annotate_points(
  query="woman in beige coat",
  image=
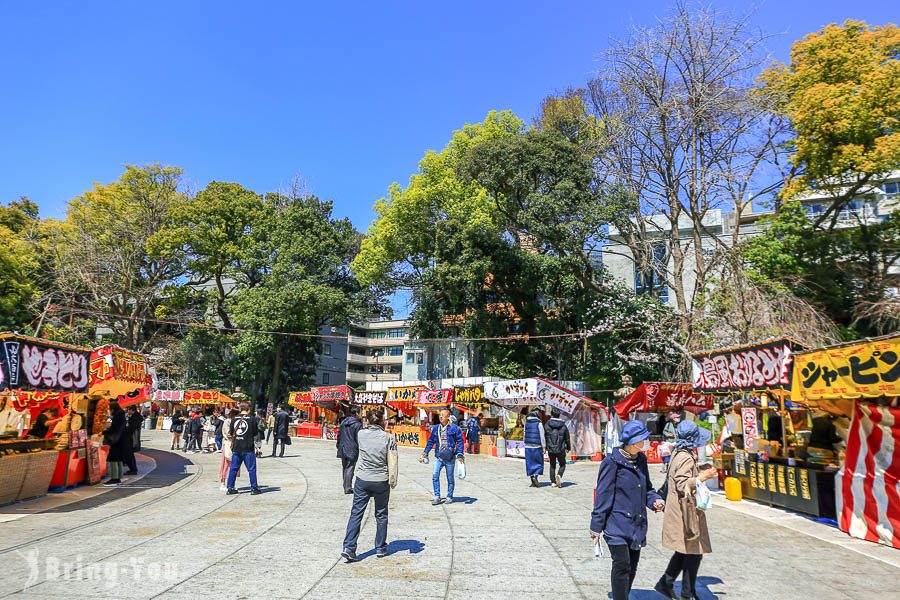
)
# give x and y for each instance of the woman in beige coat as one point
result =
(684, 525)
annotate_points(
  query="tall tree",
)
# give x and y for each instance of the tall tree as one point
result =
(841, 92)
(18, 261)
(104, 256)
(684, 134)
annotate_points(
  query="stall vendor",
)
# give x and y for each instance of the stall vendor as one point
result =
(775, 430)
(824, 433)
(10, 418)
(41, 426)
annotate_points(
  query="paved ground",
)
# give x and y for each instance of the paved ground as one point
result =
(172, 534)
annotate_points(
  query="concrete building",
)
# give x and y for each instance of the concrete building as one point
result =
(453, 358)
(331, 362)
(375, 351)
(873, 204)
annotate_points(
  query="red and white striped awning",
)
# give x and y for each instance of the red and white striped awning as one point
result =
(868, 483)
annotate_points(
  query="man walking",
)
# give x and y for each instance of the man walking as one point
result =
(196, 443)
(219, 435)
(558, 443)
(378, 472)
(243, 429)
(281, 433)
(473, 431)
(447, 440)
(133, 432)
(348, 446)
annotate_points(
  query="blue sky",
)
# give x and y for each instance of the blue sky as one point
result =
(350, 95)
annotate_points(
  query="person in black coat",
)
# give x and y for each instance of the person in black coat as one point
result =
(116, 437)
(281, 430)
(558, 443)
(623, 495)
(348, 446)
(196, 427)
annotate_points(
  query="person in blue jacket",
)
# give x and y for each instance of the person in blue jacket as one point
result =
(623, 495)
(447, 440)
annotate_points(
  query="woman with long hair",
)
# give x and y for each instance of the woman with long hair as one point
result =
(176, 428)
(225, 465)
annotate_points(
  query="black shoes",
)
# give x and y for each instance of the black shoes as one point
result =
(113, 482)
(381, 553)
(666, 588)
(231, 492)
(436, 502)
(131, 472)
(349, 556)
(255, 492)
(534, 481)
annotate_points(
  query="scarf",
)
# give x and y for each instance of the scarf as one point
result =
(628, 455)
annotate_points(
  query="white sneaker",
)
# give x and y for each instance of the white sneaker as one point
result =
(222, 487)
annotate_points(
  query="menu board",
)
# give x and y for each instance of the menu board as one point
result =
(94, 469)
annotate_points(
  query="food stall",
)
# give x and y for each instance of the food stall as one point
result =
(321, 406)
(41, 384)
(584, 417)
(407, 423)
(471, 401)
(658, 397)
(760, 377)
(860, 381)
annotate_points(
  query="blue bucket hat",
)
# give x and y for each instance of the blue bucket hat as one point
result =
(633, 432)
(689, 435)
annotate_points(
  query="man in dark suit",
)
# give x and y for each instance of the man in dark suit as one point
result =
(280, 433)
(348, 446)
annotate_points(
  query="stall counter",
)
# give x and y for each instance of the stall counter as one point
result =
(802, 488)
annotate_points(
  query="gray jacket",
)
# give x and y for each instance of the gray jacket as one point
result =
(375, 444)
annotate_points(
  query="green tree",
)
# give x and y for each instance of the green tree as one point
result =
(18, 261)
(841, 92)
(104, 257)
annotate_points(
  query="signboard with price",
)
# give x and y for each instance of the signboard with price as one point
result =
(750, 427)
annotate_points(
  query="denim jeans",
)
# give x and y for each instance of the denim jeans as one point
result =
(362, 491)
(436, 476)
(249, 459)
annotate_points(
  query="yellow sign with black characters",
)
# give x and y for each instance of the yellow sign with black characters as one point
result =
(863, 370)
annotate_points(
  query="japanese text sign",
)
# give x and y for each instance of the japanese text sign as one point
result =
(471, 396)
(300, 398)
(27, 364)
(332, 393)
(750, 427)
(369, 398)
(863, 370)
(767, 366)
(556, 396)
(403, 394)
(513, 389)
(431, 398)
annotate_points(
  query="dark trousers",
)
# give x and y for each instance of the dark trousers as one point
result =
(249, 459)
(348, 466)
(624, 568)
(194, 443)
(275, 446)
(687, 566)
(554, 459)
(472, 445)
(187, 440)
(362, 491)
(130, 461)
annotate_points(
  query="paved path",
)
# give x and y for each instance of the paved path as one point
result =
(172, 534)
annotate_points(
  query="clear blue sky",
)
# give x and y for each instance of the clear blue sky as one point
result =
(350, 95)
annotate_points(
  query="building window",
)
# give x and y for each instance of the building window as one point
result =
(415, 358)
(326, 349)
(395, 351)
(398, 333)
(653, 280)
(377, 333)
(892, 187)
(326, 378)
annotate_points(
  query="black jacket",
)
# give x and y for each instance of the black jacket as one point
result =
(219, 423)
(196, 426)
(347, 444)
(134, 421)
(243, 431)
(557, 436)
(280, 430)
(117, 438)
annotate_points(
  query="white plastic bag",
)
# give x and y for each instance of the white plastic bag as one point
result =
(704, 498)
(460, 469)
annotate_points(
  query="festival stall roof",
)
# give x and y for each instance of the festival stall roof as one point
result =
(300, 399)
(432, 399)
(206, 397)
(525, 392)
(861, 379)
(469, 398)
(660, 396)
(121, 374)
(403, 399)
(35, 365)
(762, 367)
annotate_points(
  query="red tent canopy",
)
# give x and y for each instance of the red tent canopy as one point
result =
(659, 396)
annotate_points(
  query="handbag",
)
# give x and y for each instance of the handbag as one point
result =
(460, 469)
(704, 497)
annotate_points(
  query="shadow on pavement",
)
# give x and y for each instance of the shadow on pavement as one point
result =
(170, 469)
(411, 546)
(464, 500)
(703, 591)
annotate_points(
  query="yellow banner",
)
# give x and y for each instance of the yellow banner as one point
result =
(403, 394)
(863, 370)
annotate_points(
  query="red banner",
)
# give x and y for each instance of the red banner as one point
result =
(433, 398)
(331, 394)
(657, 396)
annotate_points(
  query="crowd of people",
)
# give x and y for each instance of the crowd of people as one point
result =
(369, 463)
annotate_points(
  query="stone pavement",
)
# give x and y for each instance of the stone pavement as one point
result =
(173, 534)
